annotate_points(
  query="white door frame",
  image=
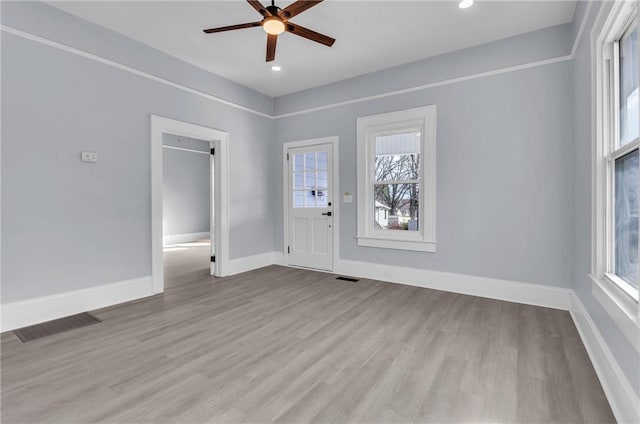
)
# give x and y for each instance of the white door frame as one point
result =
(220, 141)
(335, 186)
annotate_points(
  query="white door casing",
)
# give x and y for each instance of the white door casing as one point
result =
(212, 214)
(220, 216)
(311, 207)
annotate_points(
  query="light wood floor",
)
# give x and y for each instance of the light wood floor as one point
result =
(296, 346)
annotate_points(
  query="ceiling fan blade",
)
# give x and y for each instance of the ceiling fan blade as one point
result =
(259, 7)
(298, 7)
(309, 34)
(271, 47)
(232, 27)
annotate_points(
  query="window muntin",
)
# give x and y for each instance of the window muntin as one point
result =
(310, 188)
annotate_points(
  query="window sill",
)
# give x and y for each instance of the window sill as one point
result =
(385, 243)
(622, 309)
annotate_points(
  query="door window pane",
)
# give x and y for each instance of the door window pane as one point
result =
(626, 218)
(298, 181)
(322, 179)
(628, 63)
(322, 160)
(309, 198)
(298, 199)
(298, 162)
(322, 196)
(310, 179)
(396, 207)
(310, 161)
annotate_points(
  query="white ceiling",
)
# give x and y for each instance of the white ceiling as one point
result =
(371, 35)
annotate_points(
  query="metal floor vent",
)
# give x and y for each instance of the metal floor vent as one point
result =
(56, 326)
(352, 280)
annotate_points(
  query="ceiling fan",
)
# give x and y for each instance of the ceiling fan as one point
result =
(276, 21)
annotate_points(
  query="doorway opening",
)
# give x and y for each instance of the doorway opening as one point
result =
(188, 227)
(189, 198)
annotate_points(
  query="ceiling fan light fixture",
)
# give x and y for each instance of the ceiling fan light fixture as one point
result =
(465, 4)
(273, 26)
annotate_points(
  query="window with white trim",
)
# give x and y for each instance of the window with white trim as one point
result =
(396, 180)
(616, 167)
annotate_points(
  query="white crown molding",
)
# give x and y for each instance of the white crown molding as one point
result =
(138, 72)
(431, 85)
(109, 62)
(499, 71)
(46, 308)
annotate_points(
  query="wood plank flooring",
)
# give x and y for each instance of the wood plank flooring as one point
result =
(296, 346)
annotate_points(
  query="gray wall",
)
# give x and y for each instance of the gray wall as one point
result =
(186, 186)
(68, 225)
(525, 48)
(504, 158)
(625, 354)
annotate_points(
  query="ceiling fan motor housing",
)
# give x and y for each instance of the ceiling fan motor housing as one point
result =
(273, 10)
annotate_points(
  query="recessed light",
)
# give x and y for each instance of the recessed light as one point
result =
(276, 68)
(464, 4)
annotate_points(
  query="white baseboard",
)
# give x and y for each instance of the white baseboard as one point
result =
(40, 309)
(279, 258)
(236, 266)
(182, 238)
(623, 400)
(493, 288)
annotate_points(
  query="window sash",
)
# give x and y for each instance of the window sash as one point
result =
(626, 28)
(613, 152)
(387, 130)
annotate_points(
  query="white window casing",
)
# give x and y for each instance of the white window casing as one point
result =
(615, 295)
(419, 120)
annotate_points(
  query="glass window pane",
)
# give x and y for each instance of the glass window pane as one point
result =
(322, 160)
(396, 207)
(298, 162)
(626, 218)
(397, 157)
(398, 167)
(310, 179)
(310, 161)
(322, 197)
(309, 198)
(298, 181)
(321, 181)
(628, 63)
(298, 199)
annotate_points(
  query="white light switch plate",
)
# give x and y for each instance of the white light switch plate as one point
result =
(89, 157)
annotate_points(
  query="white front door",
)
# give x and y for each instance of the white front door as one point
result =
(310, 206)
